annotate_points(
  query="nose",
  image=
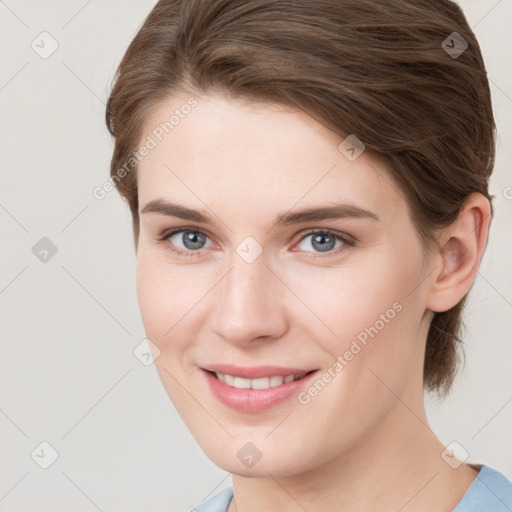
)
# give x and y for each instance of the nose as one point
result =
(249, 304)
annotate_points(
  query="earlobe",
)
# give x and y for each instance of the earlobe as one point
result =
(461, 248)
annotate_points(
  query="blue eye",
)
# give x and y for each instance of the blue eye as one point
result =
(193, 240)
(324, 241)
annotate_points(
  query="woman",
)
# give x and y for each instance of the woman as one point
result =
(308, 183)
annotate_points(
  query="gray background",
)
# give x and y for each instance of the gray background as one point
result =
(69, 325)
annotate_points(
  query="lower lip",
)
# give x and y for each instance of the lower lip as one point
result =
(255, 400)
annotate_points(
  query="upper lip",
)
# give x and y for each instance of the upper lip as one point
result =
(255, 372)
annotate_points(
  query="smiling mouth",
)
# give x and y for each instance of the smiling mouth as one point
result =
(260, 383)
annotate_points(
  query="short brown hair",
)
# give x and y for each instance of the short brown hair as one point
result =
(380, 70)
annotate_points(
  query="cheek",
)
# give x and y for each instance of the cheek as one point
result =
(162, 292)
(348, 299)
(372, 320)
(172, 300)
(151, 295)
(366, 315)
(166, 295)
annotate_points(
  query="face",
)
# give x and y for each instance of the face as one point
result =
(237, 276)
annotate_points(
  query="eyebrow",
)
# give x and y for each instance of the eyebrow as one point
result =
(315, 214)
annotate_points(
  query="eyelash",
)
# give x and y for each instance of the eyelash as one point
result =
(348, 242)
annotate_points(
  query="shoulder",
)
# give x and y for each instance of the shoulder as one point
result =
(217, 503)
(491, 491)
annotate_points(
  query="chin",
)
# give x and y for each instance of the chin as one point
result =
(254, 459)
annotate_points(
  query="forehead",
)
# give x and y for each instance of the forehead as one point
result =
(248, 156)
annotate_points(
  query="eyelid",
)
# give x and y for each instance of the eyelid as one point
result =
(343, 236)
(348, 240)
(164, 236)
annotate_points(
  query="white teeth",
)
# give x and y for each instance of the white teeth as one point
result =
(241, 383)
(276, 380)
(261, 383)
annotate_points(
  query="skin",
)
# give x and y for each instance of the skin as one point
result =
(363, 443)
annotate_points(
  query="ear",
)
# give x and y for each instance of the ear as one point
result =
(459, 252)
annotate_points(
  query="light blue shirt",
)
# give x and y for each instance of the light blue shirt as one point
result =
(491, 491)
